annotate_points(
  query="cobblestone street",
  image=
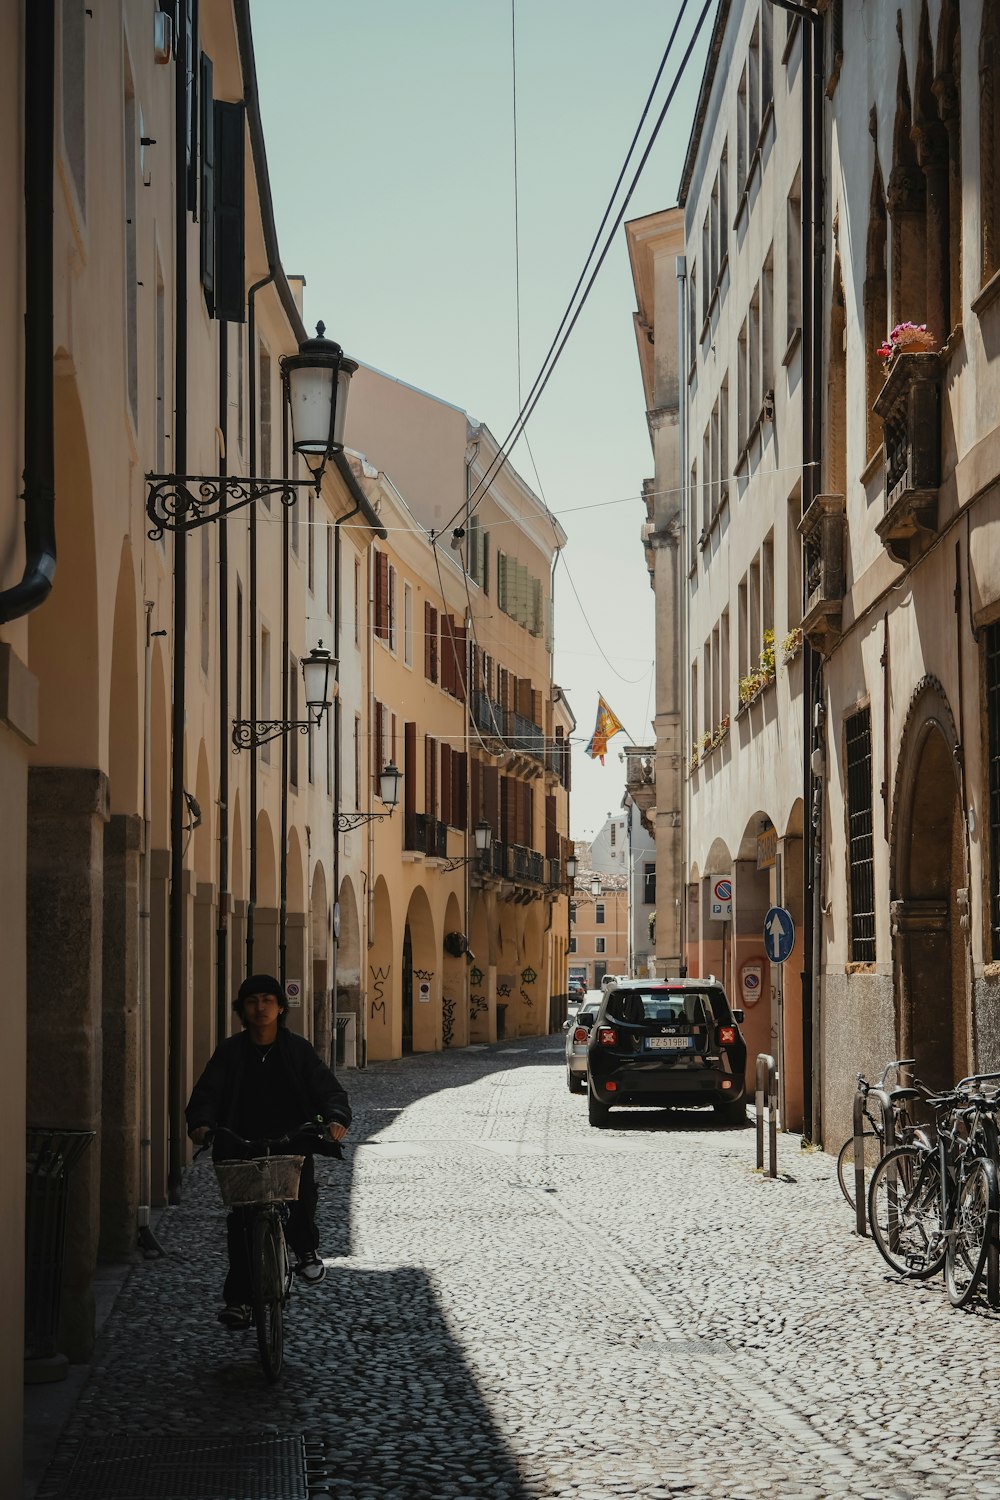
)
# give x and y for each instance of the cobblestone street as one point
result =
(518, 1305)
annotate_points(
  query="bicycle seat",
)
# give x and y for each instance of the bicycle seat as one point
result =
(895, 1094)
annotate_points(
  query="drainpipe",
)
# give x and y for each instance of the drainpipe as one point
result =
(286, 715)
(337, 739)
(146, 1239)
(39, 439)
(812, 447)
(252, 605)
(683, 796)
(177, 967)
(225, 743)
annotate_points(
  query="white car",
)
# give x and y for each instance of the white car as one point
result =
(577, 1029)
(612, 979)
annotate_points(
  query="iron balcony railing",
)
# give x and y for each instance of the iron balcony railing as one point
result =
(525, 735)
(425, 835)
(487, 715)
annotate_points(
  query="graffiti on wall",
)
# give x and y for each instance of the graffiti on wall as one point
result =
(477, 1006)
(475, 976)
(379, 977)
(447, 1021)
(528, 976)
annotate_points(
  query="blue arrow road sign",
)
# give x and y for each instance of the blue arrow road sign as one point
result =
(779, 934)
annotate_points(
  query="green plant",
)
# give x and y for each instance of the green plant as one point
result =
(705, 743)
(721, 731)
(767, 654)
(751, 685)
(791, 645)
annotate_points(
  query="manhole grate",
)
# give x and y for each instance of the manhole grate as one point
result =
(266, 1466)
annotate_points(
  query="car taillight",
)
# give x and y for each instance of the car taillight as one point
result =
(580, 1034)
(727, 1036)
(607, 1036)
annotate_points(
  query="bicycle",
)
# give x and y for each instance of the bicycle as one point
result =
(874, 1139)
(264, 1182)
(936, 1207)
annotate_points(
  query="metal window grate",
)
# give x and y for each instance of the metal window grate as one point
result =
(992, 649)
(121, 1467)
(860, 840)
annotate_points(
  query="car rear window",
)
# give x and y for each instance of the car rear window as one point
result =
(677, 1007)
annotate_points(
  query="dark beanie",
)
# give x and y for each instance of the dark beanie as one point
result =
(260, 984)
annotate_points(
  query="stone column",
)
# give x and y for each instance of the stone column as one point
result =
(67, 810)
(159, 920)
(265, 940)
(120, 1118)
(203, 988)
(237, 958)
(297, 968)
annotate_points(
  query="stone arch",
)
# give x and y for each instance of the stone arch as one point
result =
(508, 956)
(906, 201)
(350, 988)
(928, 878)
(532, 988)
(454, 983)
(319, 948)
(265, 917)
(383, 1022)
(237, 861)
(295, 874)
(876, 297)
(836, 389)
(124, 702)
(159, 791)
(479, 969)
(202, 836)
(422, 973)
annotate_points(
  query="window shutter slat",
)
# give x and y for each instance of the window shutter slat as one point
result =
(230, 212)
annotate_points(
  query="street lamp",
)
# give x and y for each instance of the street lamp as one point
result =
(319, 671)
(388, 790)
(572, 864)
(484, 842)
(316, 381)
(595, 885)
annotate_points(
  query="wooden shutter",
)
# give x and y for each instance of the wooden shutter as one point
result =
(551, 830)
(446, 812)
(430, 643)
(460, 636)
(447, 655)
(230, 212)
(460, 789)
(376, 747)
(207, 226)
(430, 776)
(409, 769)
(477, 791)
(491, 800)
(382, 596)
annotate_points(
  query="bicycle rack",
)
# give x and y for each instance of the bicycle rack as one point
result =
(881, 1098)
(767, 1079)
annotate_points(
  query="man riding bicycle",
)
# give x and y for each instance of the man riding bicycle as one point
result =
(261, 1084)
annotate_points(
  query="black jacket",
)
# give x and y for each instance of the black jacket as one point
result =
(215, 1097)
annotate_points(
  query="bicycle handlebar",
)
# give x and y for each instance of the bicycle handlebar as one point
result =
(264, 1145)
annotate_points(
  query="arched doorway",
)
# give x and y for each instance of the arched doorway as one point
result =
(421, 977)
(929, 872)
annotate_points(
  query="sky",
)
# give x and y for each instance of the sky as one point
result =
(390, 135)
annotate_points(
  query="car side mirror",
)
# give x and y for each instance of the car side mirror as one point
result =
(738, 1015)
(565, 1025)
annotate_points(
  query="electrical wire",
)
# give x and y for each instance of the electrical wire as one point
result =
(570, 317)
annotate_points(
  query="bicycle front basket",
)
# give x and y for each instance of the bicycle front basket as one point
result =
(265, 1179)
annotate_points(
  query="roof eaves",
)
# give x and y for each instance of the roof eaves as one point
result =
(711, 63)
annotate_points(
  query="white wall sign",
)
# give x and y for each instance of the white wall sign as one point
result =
(293, 992)
(721, 905)
(424, 991)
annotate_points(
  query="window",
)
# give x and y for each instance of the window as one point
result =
(724, 459)
(572, 911)
(742, 391)
(572, 944)
(357, 760)
(648, 885)
(430, 642)
(793, 547)
(992, 653)
(357, 602)
(860, 837)
(767, 327)
(599, 945)
(599, 913)
(743, 638)
(793, 261)
(614, 830)
(754, 394)
(741, 133)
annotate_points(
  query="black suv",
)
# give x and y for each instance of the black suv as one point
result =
(667, 1041)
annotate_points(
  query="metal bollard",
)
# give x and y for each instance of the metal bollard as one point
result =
(888, 1141)
(766, 1078)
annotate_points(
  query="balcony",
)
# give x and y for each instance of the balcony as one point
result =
(822, 529)
(525, 735)
(909, 405)
(527, 866)
(487, 715)
(640, 776)
(424, 835)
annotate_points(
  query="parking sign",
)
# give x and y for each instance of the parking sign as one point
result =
(721, 905)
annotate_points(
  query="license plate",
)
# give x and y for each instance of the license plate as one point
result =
(670, 1043)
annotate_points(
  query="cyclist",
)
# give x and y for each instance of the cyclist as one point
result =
(260, 1084)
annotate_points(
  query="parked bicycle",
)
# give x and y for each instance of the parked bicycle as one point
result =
(873, 1135)
(934, 1207)
(260, 1185)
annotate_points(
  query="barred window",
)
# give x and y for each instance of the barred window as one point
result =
(992, 649)
(860, 840)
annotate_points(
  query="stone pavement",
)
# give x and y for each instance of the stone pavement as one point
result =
(520, 1306)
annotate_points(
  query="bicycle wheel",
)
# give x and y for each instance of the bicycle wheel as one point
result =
(904, 1211)
(845, 1163)
(972, 1230)
(268, 1292)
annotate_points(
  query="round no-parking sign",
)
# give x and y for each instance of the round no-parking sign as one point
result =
(721, 905)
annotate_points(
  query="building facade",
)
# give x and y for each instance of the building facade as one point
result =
(624, 847)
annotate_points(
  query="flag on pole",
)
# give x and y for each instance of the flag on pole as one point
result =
(605, 727)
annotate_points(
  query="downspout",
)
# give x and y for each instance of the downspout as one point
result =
(39, 422)
(252, 605)
(285, 714)
(145, 1237)
(337, 741)
(812, 447)
(177, 967)
(225, 743)
(681, 786)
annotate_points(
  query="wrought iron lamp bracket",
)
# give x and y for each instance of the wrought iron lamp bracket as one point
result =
(347, 822)
(248, 734)
(182, 502)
